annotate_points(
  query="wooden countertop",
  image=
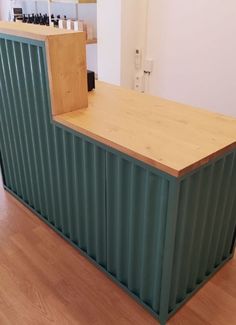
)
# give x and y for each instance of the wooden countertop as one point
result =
(172, 137)
(36, 32)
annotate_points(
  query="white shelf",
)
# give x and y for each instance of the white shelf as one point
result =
(35, 0)
(62, 1)
(74, 1)
(65, 1)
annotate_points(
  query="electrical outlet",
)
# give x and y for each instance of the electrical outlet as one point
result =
(138, 82)
(148, 66)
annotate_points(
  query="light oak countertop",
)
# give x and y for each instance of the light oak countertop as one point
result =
(172, 137)
(36, 32)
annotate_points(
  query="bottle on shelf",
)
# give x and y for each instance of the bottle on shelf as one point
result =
(40, 19)
(69, 24)
(65, 22)
(52, 20)
(37, 19)
(61, 24)
(29, 19)
(46, 20)
(81, 26)
(76, 25)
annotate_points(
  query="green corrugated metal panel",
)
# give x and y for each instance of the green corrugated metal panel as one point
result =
(136, 220)
(160, 237)
(59, 175)
(205, 223)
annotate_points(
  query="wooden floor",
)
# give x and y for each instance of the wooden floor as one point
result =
(43, 280)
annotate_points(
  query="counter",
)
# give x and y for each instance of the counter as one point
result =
(174, 138)
(143, 186)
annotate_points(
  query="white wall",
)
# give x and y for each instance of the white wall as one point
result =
(121, 30)
(109, 40)
(133, 36)
(4, 9)
(193, 44)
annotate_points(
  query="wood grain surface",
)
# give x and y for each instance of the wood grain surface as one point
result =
(172, 137)
(67, 72)
(44, 280)
(36, 32)
(66, 63)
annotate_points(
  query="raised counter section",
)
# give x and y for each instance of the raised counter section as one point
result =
(35, 32)
(66, 63)
(172, 137)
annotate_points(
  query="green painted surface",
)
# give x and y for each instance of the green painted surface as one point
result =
(158, 236)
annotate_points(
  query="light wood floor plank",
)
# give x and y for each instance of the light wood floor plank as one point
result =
(44, 280)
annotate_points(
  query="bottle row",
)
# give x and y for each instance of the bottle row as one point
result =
(59, 22)
(37, 19)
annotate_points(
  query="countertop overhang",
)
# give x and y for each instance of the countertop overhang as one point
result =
(172, 137)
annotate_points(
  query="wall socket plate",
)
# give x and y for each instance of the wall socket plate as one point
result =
(139, 82)
(148, 65)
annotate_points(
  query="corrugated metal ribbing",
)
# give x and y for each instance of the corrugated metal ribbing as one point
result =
(206, 219)
(58, 174)
(132, 219)
(136, 219)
